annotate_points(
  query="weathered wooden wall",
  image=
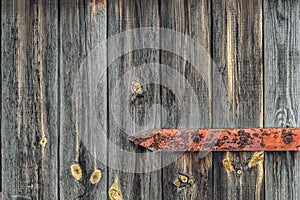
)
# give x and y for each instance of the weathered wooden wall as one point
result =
(48, 76)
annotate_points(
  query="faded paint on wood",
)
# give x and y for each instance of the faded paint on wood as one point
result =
(29, 68)
(83, 110)
(282, 92)
(132, 99)
(237, 51)
(180, 109)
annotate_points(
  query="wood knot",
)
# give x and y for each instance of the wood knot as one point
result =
(228, 165)
(183, 180)
(114, 192)
(95, 176)
(256, 159)
(43, 142)
(76, 171)
(115, 195)
(176, 182)
(137, 88)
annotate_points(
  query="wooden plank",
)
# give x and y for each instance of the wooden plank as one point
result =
(237, 52)
(0, 131)
(181, 110)
(83, 97)
(133, 96)
(282, 62)
(29, 70)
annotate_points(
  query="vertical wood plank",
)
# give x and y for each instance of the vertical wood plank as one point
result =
(132, 98)
(191, 18)
(237, 51)
(83, 97)
(282, 70)
(72, 52)
(29, 69)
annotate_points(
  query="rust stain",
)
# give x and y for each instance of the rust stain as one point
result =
(252, 139)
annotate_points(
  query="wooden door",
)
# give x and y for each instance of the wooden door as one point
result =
(60, 88)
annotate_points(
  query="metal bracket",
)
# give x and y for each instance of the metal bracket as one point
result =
(250, 139)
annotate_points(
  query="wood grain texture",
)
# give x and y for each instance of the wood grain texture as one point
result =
(282, 70)
(133, 97)
(54, 81)
(181, 110)
(29, 68)
(83, 97)
(237, 51)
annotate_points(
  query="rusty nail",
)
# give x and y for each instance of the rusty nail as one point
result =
(287, 136)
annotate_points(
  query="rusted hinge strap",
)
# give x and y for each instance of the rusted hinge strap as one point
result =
(252, 139)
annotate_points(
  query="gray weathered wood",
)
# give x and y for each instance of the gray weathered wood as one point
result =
(83, 96)
(53, 71)
(129, 111)
(29, 68)
(237, 52)
(180, 109)
(282, 92)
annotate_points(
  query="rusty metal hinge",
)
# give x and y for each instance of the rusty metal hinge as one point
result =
(250, 139)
